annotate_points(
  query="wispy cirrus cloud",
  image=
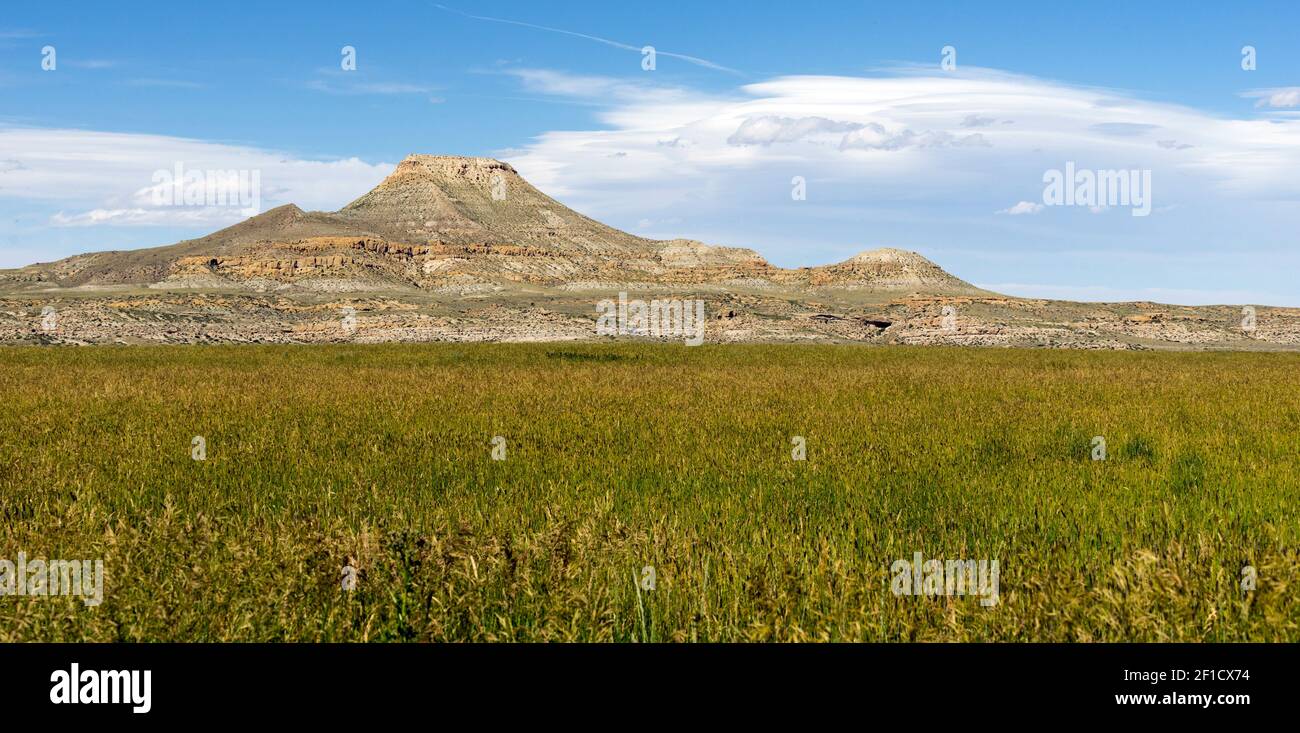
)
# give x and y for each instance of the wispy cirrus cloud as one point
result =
(146, 217)
(1278, 98)
(90, 64)
(164, 83)
(697, 61)
(366, 87)
(9, 38)
(356, 83)
(597, 91)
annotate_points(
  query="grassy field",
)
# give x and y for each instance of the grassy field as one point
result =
(620, 457)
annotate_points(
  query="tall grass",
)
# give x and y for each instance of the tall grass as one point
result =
(623, 456)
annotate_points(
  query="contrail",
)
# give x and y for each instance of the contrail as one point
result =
(627, 47)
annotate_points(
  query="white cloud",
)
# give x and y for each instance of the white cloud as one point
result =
(873, 136)
(1283, 97)
(911, 139)
(344, 85)
(91, 64)
(164, 83)
(1023, 207)
(600, 89)
(207, 216)
(770, 129)
(1123, 129)
(103, 177)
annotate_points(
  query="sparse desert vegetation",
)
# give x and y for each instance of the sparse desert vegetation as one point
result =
(623, 456)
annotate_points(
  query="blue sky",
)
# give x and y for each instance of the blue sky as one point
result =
(894, 149)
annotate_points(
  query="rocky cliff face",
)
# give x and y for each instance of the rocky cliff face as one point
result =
(479, 201)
